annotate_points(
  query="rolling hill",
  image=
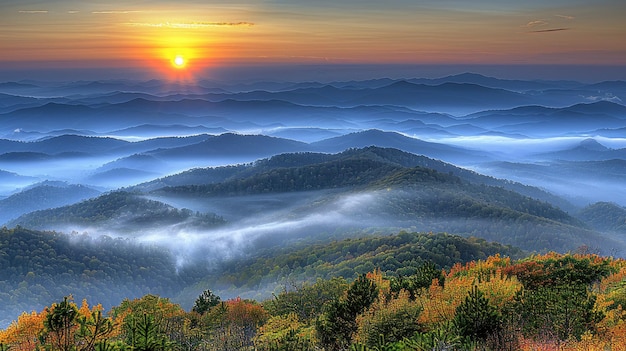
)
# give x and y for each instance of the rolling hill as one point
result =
(393, 192)
(43, 196)
(114, 211)
(605, 216)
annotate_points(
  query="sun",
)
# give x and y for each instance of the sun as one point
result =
(179, 61)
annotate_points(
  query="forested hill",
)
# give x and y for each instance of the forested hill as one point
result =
(42, 196)
(39, 267)
(120, 210)
(344, 173)
(389, 156)
(363, 173)
(605, 216)
(406, 192)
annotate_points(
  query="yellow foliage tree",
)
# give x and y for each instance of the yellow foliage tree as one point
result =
(22, 334)
(394, 319)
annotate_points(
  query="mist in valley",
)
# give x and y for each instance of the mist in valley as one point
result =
(256, 223)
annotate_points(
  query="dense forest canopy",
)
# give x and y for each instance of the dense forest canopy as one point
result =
(540, 302)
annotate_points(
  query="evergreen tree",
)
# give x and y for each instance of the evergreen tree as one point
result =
(475, 317)
(205, 301)
(91, 329)
(59, 325)
(360, 295)
(558, 312)
(338, 322)
(145, 335)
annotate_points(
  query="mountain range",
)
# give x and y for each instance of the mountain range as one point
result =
(201, 179)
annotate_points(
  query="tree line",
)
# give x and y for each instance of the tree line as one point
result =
(542, 302)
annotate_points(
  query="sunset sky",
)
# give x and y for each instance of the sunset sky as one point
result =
(146, 36)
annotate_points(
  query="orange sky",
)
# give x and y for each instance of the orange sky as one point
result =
(208, 33)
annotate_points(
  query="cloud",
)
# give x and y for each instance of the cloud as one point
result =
(536, 23)
(190, 25)
(606, 97)
(33, 11)
(543, 23)
(115, 12)
(565, 17)
(549, 30)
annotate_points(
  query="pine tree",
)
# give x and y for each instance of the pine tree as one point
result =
(475, 317)
(60, 325)
(338, 322)
(205, 301)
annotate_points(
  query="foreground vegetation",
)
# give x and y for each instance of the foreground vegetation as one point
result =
(542, 302)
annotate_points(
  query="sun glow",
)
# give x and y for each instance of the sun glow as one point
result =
(178, 58)
(179, 61)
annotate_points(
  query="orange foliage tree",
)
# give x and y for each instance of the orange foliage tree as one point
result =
(22, 334)
(233, 324)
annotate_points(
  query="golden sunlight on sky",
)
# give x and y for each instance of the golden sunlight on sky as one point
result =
(212, 33)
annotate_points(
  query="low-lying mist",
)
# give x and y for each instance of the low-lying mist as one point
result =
(522, 148)
(297, 216)
(258, 222)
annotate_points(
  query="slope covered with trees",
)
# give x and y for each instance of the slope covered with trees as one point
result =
(43, 196)
(542, 302)
(605, 216)
(119, 209)
(398, 255)
(386, 156)
(404, 192)
(39, 267)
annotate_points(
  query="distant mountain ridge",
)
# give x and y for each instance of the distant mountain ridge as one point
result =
(117, 133)
(395, 140)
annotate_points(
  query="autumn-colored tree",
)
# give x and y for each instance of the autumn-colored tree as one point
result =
(163, 314)
(285, 333)
(245, 312)
(232, 324)
(67, 327)
(396, 319)
(22, 334)
(439, 303)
